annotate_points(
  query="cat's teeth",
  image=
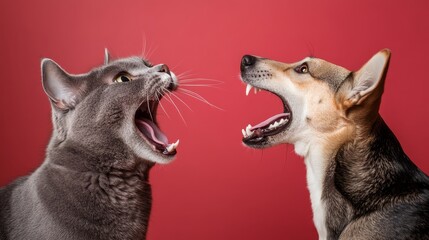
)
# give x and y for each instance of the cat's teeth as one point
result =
(248, 88)
(248, 131)
(243, 132)
(173, 146)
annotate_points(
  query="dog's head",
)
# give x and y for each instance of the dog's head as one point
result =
(322, 101)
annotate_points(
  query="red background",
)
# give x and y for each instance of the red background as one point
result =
(216, 188)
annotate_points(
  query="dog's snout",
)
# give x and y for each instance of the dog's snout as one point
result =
(247, 61)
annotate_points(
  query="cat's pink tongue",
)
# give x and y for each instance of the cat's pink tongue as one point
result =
(149, 129)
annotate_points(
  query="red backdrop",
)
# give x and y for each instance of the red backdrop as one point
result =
(216, 188)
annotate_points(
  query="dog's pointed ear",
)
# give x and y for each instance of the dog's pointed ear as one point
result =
(63, 89)
(106, 56)
(367, 84)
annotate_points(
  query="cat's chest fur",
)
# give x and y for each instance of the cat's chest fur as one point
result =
(84, 205)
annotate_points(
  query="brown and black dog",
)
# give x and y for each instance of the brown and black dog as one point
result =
(362, 185)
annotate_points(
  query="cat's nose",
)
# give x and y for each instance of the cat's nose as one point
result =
(162, 68)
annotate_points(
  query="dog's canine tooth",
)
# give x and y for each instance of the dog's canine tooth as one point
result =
(248, 88)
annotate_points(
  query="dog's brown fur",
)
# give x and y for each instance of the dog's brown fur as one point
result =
(362, 185)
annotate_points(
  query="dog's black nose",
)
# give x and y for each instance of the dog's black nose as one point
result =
(247, 61)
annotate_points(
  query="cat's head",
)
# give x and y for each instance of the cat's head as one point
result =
(111, 109)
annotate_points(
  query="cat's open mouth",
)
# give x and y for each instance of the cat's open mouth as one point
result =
(146, 124)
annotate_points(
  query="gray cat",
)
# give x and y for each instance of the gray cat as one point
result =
(93, 183)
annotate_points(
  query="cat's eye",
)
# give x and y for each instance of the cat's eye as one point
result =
(123, 77)
(303, 68)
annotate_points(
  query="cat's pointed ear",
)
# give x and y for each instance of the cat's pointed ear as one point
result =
(106, 56)
(63, 89)
(367, 84)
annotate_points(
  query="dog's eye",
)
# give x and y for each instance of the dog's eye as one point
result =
(122, 77)
(303, 68)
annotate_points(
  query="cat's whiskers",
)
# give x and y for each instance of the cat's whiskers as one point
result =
(174, 95)
(158, 93)
(147, 51)
(185, 74)
(174, 104)
(148, 108)
(198, 97)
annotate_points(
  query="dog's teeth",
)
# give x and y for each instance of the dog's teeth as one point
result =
(243, 132)
(248, 88)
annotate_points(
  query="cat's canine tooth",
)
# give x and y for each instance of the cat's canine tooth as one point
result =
(173, 146)
(176, 143)
(170, 147)
(248, 131)
(243, 132)
(248, 87)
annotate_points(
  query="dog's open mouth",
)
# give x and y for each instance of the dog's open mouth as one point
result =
(271, 126)
(146, 124)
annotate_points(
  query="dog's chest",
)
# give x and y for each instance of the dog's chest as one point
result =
(316, 171)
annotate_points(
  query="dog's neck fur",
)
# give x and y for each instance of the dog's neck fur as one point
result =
(350, 182)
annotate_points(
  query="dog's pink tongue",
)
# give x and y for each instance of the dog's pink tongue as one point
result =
(149, 129)
(270, 120)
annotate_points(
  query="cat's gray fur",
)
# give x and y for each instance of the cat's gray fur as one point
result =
(93, 183)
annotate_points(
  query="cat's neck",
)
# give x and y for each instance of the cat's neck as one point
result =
(98, 158)
(103, 184)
